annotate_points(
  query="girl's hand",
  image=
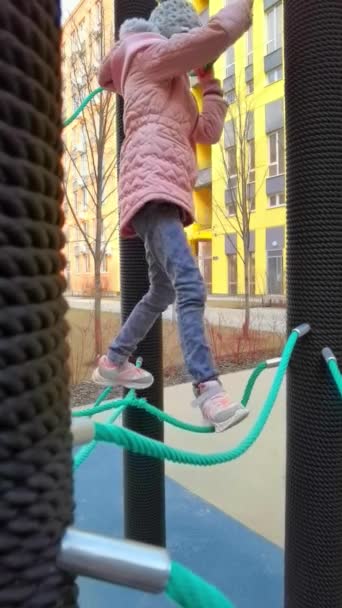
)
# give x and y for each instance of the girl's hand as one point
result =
(206, 73)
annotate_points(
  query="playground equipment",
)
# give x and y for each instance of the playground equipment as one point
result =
(313, 58)
(39, 552)
(144, 479)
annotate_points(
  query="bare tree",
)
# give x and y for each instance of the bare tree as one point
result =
(90, 161)
(238, 168)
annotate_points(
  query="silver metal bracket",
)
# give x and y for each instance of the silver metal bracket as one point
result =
(121, 562)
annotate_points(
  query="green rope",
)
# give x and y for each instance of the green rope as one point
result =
(142, 404)
(143, 445)
(191, 591)
(336, 374)
(132, 401)
(82, 106)
(85, 451)
(251, 382)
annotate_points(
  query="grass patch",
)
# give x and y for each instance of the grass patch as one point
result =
(230, 349)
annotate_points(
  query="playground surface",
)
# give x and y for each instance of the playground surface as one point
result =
(225, 523)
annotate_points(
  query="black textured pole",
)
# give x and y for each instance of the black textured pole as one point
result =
(35, 443)
(313, 34)
(144, 487)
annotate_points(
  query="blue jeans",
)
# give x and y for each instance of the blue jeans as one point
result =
(173, 275)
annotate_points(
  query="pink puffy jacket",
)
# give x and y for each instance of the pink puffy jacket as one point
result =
(161, 120)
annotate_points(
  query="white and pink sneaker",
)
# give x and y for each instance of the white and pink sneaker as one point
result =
(217, 409)
(126, 375)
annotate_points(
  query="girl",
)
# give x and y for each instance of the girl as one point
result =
(149, 67)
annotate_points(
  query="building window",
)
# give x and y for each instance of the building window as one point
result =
(86, 262)
(251, 172)
(251, 204)
(274, 28)
(75, 176)
(82, 30)
(230, 61)
(74, 100)
(232, 274)
(252, 273)
(78, 234)
(84, 198)
(251, 161)
(250, 87)
(274, 75)
(276, 200)
(98, 14)
(84, 166)
(84, 228)
(232, 179)
(231, 163)
(75, 201)
(275, 272)
(73, 39)
(98, 49)
(249, 46)
(231, 208)
(83, 142)
(276, 153)
(104, 263)
(230, 97)
(78, 264)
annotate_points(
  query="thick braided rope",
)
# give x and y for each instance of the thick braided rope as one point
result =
(313, 557)
(132, 401)
(139, 444)
(336, 374)
(251, 382)
(35, 442)
(84, 453)
(82, 106)
(190, 591)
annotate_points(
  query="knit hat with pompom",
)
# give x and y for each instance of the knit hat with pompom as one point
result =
(174, 17)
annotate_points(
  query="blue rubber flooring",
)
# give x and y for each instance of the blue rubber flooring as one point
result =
(247, 568)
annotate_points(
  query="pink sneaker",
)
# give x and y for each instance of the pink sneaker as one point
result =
(126, 375)
(217, 409)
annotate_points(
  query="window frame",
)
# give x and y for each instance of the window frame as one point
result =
(250, 46)
(230, 64)
(279, 200)
(279, 161)
(274, 38)
(232, 259)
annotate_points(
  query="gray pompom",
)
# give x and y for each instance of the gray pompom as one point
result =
(174, 17)
(137, 26)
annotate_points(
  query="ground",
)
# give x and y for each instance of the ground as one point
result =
(226, 523)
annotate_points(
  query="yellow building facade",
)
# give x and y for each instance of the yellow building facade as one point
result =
(246, 171)
(90, 167)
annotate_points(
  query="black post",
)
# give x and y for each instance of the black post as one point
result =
(313, 35)
(36, 502)
(144, 486)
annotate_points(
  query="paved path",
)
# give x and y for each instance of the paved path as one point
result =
(225, 522)
(251, 489)
(264, 319)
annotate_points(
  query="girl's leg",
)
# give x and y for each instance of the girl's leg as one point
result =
(115, 369)
(166, 240)
(142, 318)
